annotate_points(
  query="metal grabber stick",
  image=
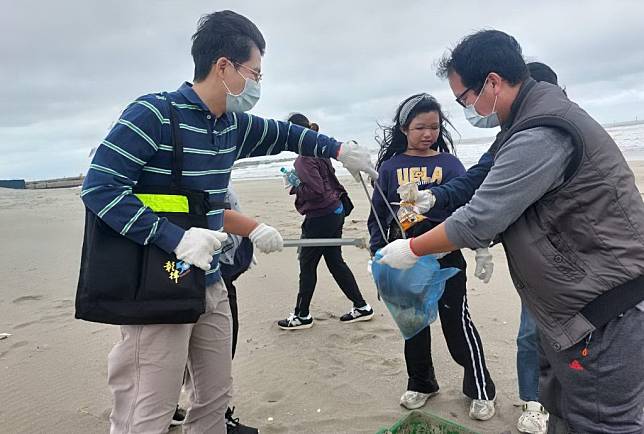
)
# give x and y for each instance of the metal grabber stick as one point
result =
(373, 208)
(357, 242)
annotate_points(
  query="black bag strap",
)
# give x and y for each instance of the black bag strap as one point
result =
(611, 303)
(176, 141)
(216, 204)
(177, 145)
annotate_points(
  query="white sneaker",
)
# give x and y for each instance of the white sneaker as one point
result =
(534, 419)
(482, 409)
(412, 400)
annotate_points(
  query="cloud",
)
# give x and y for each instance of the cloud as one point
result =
(69, 67)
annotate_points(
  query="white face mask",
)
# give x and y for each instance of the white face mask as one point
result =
(479, 121)
(246, 99)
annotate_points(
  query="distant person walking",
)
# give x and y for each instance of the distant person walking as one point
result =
(324, 202)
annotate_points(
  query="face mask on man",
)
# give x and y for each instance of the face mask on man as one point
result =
(246, 99)
(480, 121)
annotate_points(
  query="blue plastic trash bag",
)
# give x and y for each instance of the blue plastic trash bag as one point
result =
(412, 295)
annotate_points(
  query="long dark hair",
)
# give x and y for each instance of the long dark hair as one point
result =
(392, 141)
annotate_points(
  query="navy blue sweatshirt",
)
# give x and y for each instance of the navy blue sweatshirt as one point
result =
(401, 169)
(458, 191)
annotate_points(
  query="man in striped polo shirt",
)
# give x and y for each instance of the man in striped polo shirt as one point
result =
(145, 368)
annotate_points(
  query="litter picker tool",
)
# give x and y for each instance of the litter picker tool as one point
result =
(326, 242)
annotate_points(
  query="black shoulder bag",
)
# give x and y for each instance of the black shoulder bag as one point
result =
(122, 282)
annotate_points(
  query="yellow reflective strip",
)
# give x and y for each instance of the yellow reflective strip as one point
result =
(164, 202)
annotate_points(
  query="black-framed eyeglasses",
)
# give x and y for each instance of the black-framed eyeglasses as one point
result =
(459, 99)
(257, 75)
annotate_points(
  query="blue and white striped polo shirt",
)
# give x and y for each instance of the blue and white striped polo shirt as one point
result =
(138, 150)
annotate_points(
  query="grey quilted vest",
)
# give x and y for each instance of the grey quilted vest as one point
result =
(576, 256)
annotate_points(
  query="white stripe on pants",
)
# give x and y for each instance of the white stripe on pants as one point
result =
(146, 370)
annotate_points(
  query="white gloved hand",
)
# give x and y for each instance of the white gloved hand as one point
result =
(198, 245)
(421, 200)
(484, 265)
(398, 254)
(408, 192)
(266, 238)
(356, 159)
(425, 200)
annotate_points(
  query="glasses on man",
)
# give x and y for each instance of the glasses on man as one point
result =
(257, 76)
(459, 99)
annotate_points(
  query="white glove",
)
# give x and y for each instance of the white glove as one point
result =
(408, 192)
(197, 246)
(421, 200)
(484, 265)
(425, 201)
(356, 159)
(398, 254)
(266, 238)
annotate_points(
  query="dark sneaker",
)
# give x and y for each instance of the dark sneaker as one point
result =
(234, 427)
(179, 417)
(358, 314)
(294, 322)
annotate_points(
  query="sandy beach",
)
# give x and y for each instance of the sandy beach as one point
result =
(332, 378)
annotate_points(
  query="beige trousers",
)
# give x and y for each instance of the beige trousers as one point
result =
(146, 370)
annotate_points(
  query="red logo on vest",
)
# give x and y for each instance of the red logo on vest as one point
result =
(576, 365)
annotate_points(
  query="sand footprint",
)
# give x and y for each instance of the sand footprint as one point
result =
(102, 330)
(274, 396)
(385, 366)
(325, 315)
(64, 303)
(336, 340)
(53, 317)
(18, 344)
(367, 337)
(42, 319)
(385, 332)
(25, 298)
(274, 427)
(24, 324)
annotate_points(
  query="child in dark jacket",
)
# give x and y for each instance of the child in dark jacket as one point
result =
(318, 197)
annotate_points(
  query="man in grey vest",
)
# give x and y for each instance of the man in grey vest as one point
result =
(571, 219)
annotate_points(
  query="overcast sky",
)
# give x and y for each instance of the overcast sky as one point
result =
(69, 67)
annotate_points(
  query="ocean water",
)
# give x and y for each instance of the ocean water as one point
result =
(629, 138)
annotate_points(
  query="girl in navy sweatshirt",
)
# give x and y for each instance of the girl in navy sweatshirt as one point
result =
(417, 149)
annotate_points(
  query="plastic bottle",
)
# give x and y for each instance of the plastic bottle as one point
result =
(290, 176)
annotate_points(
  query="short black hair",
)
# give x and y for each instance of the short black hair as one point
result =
(223, 34)
(299, 119)
(542, 72)
(481, 53)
